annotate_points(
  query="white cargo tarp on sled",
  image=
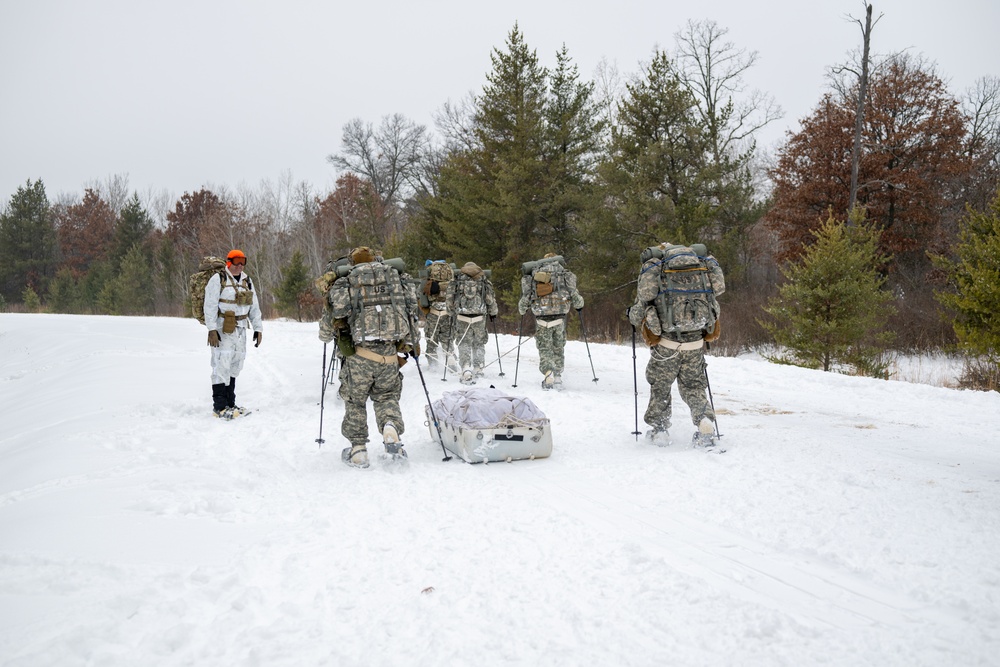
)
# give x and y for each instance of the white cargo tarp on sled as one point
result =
(481, 425)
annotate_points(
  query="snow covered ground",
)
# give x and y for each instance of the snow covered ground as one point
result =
(851, 521)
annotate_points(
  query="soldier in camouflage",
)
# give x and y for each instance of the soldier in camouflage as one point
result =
(471, 300)
(437, 320)
(550, 307)
(674, 355)
(373, 312)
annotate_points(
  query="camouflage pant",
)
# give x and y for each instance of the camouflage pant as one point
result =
(472, 338)
(688, 368)
(438, 331)
(551, 342)
(362, 378)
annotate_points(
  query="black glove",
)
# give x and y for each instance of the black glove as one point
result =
(580, 310)
(493, 318)
(213, 338)
(257, 337)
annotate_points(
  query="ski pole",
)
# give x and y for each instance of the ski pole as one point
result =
(322, 398)
(496, 337)
(635, 385)
(711, 401)
(583, 330)
(430, 407)
(517, 364)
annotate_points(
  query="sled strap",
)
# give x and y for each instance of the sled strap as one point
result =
(470, 320)
(548, 324)
(374, 356)
(674, 345)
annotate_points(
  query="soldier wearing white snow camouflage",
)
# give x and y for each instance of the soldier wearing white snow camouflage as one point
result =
(231, 307)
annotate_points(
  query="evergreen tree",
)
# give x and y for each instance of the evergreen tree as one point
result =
(654, 182)
(32, 303)
(133, 227)
(130, 292)
(831, 312)
(296, 290)
(974, 274)
(490, 197)
(63, 295)
(27, 241)
(574, 130)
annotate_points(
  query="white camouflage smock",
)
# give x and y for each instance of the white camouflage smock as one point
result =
(227, 358)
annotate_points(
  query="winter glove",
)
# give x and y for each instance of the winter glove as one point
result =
(580, 309)
(715, 333)
(257, 337)
(493, 318)
(213, 338)
(647, 335)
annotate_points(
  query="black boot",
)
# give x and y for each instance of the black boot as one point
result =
(231, 393)
(220, 398)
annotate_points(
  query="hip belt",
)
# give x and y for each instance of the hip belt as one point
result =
(674, 345)
(549, 323)
(375, 356)
(470, 320)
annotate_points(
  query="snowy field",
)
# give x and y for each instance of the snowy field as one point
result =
(851, 521)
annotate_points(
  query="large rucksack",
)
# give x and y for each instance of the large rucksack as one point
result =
(682, 297)
(551, 285)
(210, 267)
(375, 300)
(435, 281)
(469, 294)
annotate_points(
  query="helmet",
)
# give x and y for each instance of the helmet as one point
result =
(235, 254)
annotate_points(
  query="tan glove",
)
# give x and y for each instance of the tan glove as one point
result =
(716, 332)
(647, 335)
(213, 338)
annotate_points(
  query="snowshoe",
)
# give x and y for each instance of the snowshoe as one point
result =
(356, 457)
(468, 377)
(557, 382)
(394, 453)
(705, 438)
(659, 437)
(548, 381)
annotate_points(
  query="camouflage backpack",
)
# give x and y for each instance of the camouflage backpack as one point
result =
(437, 276)
(471, 294)
(375, 299)
(210, 266)
(551, 286)
(677, 291)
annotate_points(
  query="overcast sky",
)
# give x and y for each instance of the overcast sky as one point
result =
(186, 93)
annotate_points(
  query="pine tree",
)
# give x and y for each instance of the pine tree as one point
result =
(832, 310)
(296, 289)
(130, 292)
(27, 241)
(491, 196)
(32, 303)
(654, 181)
(974, 275)
(134, 226)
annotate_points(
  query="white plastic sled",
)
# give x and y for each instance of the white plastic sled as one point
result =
(480, 425)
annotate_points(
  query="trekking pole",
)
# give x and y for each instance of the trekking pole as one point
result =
(430, 407)
(496, 337)
(583, 329)
(517, 364)
(322, 397)
(635, 385)
(711, 401)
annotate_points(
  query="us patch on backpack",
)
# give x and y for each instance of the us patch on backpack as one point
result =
(210, 266)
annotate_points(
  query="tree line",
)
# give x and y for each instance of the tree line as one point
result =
(542, 160)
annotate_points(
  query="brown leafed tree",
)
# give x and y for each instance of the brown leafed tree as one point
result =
(195, 226)
(351, 215)
(85, 231)
(911, 165)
